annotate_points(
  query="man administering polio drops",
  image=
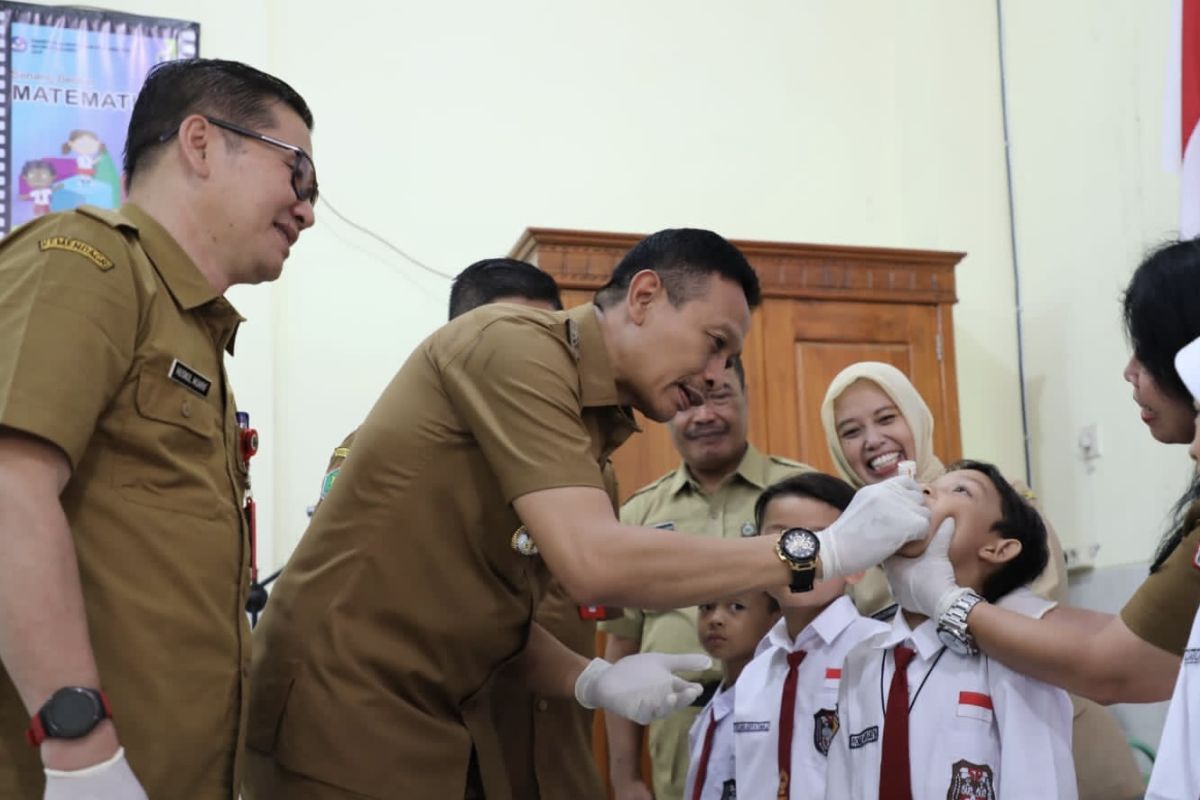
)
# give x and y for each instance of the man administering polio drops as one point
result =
(478, 470)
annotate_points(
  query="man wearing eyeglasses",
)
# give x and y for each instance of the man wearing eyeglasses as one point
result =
(123, 546)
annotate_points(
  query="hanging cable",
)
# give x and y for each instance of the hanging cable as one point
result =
(362, 229)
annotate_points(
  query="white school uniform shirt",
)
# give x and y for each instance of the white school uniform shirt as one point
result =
(826, 640)
(719, 777)
(976, 729)
(1176, 773)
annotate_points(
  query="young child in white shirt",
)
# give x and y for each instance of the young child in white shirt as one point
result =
(775, 699)
(729, 630)
(945, 725)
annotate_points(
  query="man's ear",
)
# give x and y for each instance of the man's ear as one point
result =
(1000, 551)
(644, 289)
(196, 137)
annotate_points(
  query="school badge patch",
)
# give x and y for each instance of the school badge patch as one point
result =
(825, 727)
(971, 782)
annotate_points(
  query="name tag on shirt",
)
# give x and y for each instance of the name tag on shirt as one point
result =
(833, 677)
(182, 373)
(975, 705)
(663, 526)
(751, 727)
(865, 738)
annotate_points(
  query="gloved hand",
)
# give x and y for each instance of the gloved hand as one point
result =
(880, 520)
(641, 687)
(926, 584)
(109, 780)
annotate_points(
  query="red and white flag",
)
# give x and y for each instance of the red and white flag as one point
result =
(1182, 131)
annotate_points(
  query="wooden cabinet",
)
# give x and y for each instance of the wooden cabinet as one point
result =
(823, 308)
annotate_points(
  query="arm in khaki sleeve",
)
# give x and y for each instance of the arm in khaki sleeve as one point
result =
(601, 561)
(44, 641)
(1105, 662)
(624, 736)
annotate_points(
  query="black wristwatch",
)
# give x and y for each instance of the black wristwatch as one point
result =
(70, 713)
(798, 548)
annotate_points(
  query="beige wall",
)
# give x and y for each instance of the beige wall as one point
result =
(455, 125)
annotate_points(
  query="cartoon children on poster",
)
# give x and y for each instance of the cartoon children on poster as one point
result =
(84, 174)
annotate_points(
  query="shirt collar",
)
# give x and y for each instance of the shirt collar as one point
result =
(182, 277)
(752, 468)
(924, 638)
(827, 626)
(722, 702)
(186, 283)
(597, 378)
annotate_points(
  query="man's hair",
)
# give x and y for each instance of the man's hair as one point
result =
(1018, 520)
(826, 488)
(493, 278)
(228, 90)
(1160, 311)
(684, 258)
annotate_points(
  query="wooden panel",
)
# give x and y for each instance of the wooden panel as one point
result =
(810, 342)
(585, 259)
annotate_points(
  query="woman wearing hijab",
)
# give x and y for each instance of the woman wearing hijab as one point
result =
(874, 418)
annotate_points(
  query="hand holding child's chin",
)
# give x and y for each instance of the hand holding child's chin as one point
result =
(917, 548)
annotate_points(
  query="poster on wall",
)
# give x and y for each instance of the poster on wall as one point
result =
(68, 81)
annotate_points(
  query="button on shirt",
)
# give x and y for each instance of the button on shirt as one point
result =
(827, 640)
(976, 728)
(719, 774)
(1176, 773)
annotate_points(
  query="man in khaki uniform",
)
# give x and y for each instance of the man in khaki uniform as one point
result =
(125, 555)
(477, 472)
(711, 493)
(547, 741)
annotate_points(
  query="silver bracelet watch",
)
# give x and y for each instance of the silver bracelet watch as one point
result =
(952, 625)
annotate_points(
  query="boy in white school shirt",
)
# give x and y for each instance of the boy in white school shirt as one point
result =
(945, 724)
(729, 630)
(816, 632)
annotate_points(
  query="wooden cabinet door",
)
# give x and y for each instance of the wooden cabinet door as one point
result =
(805, 343)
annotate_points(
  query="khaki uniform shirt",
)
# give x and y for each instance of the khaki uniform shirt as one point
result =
(113, 351)
(1161, 609)
(676, 502)
(546, 742)
(406, 594)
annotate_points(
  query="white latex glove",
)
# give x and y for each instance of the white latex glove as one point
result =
(109, 780)
(882, 518)
(926, 584)
(641, 687)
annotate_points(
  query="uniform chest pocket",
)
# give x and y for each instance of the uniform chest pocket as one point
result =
(172, 456)
(162, 399)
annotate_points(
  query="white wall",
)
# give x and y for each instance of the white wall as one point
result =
(460, 124)
(1086, 84)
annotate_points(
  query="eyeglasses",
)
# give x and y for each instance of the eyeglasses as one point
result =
(304, 171)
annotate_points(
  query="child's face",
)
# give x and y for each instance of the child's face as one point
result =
(792, 511)
(974, 503)
(39, 177)
(86, 144)
(731, 628)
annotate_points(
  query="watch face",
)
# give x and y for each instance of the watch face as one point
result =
(72, 713)
(799, 544)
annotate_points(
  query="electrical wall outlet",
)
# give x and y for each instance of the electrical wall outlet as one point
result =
(1081, 557)
(1089, 442)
